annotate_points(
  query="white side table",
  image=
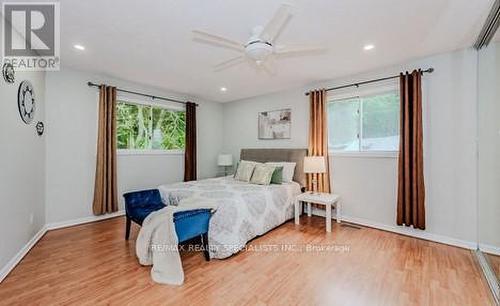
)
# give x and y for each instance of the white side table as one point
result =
(327, 199)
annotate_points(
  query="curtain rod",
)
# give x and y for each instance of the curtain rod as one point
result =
(90, 84)
(430, 70)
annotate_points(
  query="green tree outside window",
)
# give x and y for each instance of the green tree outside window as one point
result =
(144, 127)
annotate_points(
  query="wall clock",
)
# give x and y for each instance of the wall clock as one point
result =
(26, 101)
(40, 127)
(8, 73)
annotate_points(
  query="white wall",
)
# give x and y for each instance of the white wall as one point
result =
(71, 146)
(489, 148)
(240, 121)
(368, 185)
(22, 167)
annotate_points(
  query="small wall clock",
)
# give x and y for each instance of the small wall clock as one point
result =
(8, 73)
(40, 127)
(26, 101)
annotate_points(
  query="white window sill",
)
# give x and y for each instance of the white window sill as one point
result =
(365, 154)
(123, 152)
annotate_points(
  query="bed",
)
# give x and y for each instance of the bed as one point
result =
(245, 210)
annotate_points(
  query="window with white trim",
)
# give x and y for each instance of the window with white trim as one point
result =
(364, 122)
(145, 127)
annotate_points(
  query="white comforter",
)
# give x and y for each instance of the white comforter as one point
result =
(244, 211)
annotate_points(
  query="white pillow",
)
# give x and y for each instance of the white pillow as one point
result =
(288, 170)
(245, 170)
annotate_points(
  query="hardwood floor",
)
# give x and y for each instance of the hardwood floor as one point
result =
(92, 264)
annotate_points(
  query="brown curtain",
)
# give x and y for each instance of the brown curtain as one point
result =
(411, 189)
(105, 192)
(318, 138)
(190, 147)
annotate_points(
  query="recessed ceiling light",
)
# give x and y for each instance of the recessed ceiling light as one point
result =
(79, 47)
(369, 47)
(223, 89)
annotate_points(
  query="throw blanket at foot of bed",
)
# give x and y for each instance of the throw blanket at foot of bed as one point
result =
(157, 243)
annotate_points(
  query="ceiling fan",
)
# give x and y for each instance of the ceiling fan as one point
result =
(260, 48)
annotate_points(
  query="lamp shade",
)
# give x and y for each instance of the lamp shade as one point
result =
(314, 164)
(225, 160)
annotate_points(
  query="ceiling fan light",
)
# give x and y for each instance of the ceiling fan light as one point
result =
(258, 51)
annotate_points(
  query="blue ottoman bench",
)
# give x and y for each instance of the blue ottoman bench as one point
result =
(188, 224)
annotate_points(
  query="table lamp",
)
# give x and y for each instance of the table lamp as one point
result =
(314, 164)
(225, 160)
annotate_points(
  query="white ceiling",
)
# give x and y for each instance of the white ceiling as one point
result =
(150, 42)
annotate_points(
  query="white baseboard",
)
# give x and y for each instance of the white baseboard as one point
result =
(63, 224)
(47, 227)
(405, 231)
(489, 249)
(17, 258)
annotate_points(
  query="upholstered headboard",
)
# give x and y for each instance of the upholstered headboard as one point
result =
(277, 155)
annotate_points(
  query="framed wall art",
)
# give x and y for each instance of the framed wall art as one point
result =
(275, 124)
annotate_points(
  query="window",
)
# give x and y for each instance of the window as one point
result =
(143, 127)
(364, 123)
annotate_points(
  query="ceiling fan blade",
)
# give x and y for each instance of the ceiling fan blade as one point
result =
(230, 63)
(218, 40)
(298, 50)
(274, 27)
(268, 68)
